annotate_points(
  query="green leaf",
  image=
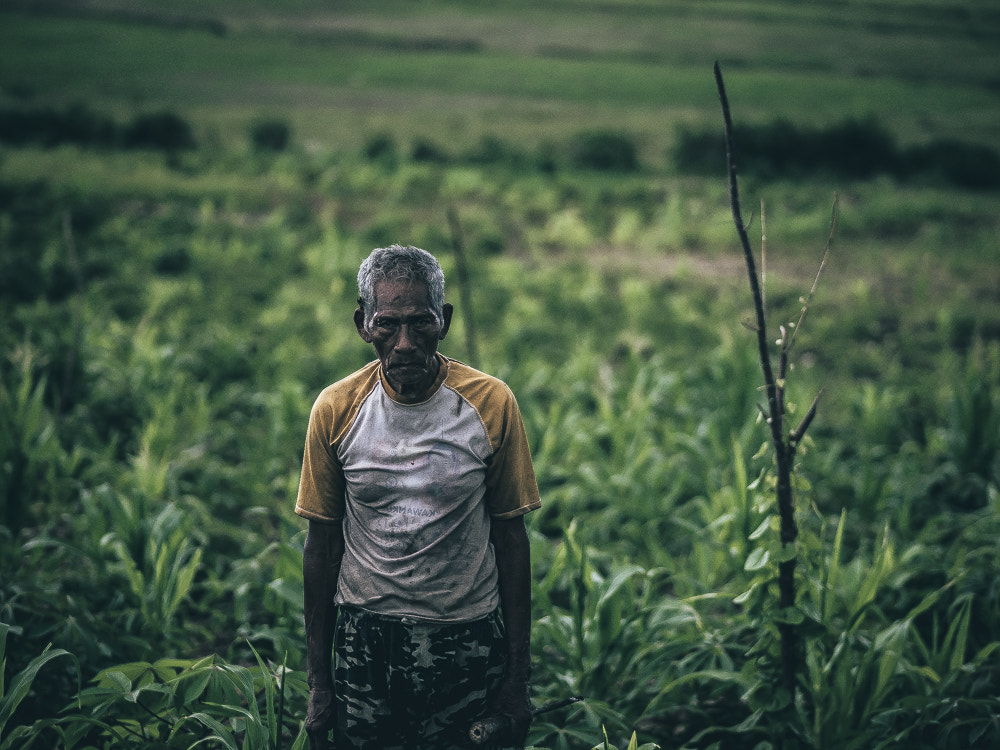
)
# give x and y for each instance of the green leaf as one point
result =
(832, 578)
(194, 685)
(21, 683)
(708, 675)
(184, 579)
(783, 552)
(747, 595)
(131, 672)
(763, 528)
(272, 725)
(120, 679)
(789, 616)
(219, 732)
(288, 590)
(617, 581)
(957, 636)
(757, 559)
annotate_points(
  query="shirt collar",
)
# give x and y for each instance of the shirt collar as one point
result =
(443, 365)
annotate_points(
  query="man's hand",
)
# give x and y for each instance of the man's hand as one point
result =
(321, 558)
(321, 717)
(511, 700)
(510, 541)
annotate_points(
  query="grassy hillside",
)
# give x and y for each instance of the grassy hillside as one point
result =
(523, 70)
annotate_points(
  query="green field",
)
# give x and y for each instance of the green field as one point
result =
(167, 315)
(528, 70)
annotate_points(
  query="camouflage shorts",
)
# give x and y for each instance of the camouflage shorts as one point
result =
(408, 684)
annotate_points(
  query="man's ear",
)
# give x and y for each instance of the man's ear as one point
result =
(446, 312)
(359, 323)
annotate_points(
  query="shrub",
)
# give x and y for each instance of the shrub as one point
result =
(852, 149)
(856, 149)
(270, 135)
(76, 124)
(382, 148)
(79, 125)
(606, 151)
(174, 261)
(164, 131)
(700, 151)
(428, 151)
(493, 150)
(953, 162)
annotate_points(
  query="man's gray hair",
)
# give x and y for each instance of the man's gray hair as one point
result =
(400, 263)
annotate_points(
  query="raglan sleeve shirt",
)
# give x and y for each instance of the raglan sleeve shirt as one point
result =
(414, 484)
(511, 488)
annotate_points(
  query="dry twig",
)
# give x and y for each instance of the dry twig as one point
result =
(784, 446)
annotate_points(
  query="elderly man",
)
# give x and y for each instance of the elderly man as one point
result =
(415, 481)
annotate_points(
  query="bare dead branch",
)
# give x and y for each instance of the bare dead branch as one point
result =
(763, 257)
(783, 450)
(800, 432)
(734, 200)
(819, 272)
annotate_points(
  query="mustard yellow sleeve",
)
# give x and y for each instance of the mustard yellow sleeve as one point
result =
(511, 487)
(321, 486)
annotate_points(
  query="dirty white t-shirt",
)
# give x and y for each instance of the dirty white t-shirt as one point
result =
(415, 484)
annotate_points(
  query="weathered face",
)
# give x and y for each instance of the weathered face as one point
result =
(405, 331)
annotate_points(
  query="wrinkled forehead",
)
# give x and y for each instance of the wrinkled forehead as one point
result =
(402, 295)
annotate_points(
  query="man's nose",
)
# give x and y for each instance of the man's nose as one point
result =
(405, 341)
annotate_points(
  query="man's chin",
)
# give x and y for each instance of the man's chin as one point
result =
(408, 378)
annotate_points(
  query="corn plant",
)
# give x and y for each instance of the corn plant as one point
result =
(266, 591)
(635, 442)
(35, 468)
(183, 703)
(161, 577)
(970, 440)
(19, 736)
(783, 661)
(612, 633)
(595, 632)
(862, 672)
(849, 664)
(951, 701)
(632, 745)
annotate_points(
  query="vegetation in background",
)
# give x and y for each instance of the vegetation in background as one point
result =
(168, 315)
(150, 462)
(850, 150)
(78, 125)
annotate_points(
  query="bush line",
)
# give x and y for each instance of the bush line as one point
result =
(852, 149)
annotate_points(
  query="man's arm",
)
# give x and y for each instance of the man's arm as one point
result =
(321, 558)
(513, 556)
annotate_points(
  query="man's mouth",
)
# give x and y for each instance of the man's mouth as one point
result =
(406, 366)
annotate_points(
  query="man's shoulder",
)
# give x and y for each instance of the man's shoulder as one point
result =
(477, 387)
(460, 374)
(349, 390)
